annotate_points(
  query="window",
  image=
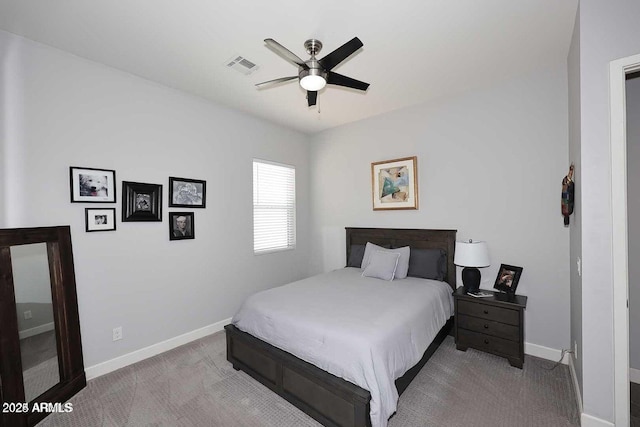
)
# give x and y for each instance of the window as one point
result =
(274, 207)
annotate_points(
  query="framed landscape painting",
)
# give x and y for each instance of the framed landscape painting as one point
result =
(395, 184)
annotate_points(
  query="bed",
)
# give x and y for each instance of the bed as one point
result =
(326, 388)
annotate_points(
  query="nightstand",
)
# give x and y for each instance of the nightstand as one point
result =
(493, 324)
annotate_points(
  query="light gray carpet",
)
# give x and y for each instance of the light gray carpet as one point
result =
(39, 357)
(194, 385)
(40, 378)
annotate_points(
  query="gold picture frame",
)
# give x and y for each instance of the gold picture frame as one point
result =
(394, 184)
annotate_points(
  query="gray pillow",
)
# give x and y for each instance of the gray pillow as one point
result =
(356, 254)
(428, 264)
(382, 265)
(403, 262)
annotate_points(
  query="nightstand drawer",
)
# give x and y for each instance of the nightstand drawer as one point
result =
(489, 312)
(501, 330)
(488, 343)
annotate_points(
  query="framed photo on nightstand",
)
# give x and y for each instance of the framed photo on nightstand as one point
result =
(508, 278)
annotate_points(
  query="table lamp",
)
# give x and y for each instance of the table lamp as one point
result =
(471, 255)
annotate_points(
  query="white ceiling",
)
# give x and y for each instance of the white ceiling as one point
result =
(414, 50)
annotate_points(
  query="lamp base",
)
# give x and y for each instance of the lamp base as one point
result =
(471, 279)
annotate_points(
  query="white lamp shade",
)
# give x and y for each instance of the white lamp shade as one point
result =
(472, 254)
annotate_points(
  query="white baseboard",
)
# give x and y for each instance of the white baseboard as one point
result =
(35, 331)
(153, 350)
(591, 421)
(634, 375)
(576, 385)
(545, 352)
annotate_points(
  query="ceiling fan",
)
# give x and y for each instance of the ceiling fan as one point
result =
(314, 74)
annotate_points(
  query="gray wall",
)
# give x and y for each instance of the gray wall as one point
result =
(65, 111)
(608, 31)
(633, 217)
(573, 71)
(490, 164)
(42, 314)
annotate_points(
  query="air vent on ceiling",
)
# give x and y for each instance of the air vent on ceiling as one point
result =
(242, 65)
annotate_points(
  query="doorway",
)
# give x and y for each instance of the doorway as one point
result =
(618, 72)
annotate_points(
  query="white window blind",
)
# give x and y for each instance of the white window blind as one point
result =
(274, 207)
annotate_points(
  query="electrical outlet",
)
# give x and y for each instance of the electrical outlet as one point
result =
(27, 314)
(575, 349)
(117, 333)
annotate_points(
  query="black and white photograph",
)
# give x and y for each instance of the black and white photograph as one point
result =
(181, 225)
(508, 278)
(100, 219)
(187, 193)
(141, 202)
(89, 185)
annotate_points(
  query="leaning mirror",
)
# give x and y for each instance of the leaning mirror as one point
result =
(34, 309)
(40, 348)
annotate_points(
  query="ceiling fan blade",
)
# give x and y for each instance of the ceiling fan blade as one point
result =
(340, 54)
(274, 81)
(285, 53)
(340, 80)
(312, 96)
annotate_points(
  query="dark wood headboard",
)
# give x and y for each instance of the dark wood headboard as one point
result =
(415, 238)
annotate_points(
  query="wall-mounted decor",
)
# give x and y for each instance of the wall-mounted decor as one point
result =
(90, 185)
(508, 278)
(141, 202)
(187, 193)
(395, 184)
(100, 219)
(568, 195)
(181, 226)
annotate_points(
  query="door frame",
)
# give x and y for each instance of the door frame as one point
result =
(618, 70)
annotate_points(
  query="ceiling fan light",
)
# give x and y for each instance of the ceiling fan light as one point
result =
(312, 83)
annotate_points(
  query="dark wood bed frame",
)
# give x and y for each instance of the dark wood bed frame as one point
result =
(333, 401)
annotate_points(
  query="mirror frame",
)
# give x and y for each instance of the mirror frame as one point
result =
(65, 316)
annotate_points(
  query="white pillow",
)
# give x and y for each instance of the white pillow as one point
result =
(403, 262)
(368, 250)
(382, 265)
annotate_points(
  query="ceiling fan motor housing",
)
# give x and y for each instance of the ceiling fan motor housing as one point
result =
(314, 77)
(314, 70)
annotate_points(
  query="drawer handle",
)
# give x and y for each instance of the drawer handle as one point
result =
(486, 312)
(486, 326)
(486, 341)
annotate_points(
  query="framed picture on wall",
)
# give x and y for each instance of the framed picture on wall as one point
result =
(181, 226)
(141, 202)
(89, 185)
(187, 193)
(395, 184)
(100, 219)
